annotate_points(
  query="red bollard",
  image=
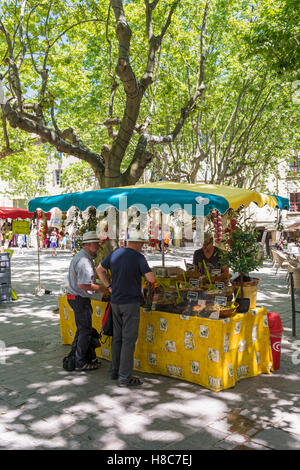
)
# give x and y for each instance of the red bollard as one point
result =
(276, 330)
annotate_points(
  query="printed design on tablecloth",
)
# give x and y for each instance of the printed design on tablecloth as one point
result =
(265, 321)
(189, 341)
(242, 345)
(270, 366)
(214, 383)
(150, 333)
(164, 324)
(230, 370)
(70, 333)
(174, 371)
(98, 311)
(226, 347)
(184, 317)
(257, 355)
(66, 313)
(254, 311)
(152, 359)
(170, 346)
(213, 355)
(137, 363)
(242, 371)
(237, 328)
(105, 352)
(204, 330)
(195, 367)
(226, 320)
(254, 333)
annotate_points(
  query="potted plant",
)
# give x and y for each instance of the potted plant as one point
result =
(241, 256)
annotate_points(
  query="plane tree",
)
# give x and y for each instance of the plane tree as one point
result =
(84, 77)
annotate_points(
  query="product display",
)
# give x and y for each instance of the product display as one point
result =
(190, 293)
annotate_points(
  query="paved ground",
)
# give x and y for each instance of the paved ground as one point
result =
(44, 407)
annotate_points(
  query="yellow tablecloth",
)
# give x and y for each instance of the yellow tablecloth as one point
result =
(212, 353)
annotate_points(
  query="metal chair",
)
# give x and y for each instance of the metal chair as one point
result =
(274, 256)
(282, 261)
(295, 269)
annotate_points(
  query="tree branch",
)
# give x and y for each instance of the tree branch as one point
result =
(75, 147)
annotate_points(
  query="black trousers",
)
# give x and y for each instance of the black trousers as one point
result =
(83, 318)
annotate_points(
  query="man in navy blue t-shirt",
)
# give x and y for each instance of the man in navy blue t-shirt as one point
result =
(127, 266)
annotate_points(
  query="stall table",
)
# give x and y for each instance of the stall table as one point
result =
(212, 353)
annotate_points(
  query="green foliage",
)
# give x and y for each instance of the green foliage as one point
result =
(242, 254)
(274, 34)
(77, 177)
(25, 172)
(77, 44)
(242, 248)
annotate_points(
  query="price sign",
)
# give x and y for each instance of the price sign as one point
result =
(215, 272)
(190, 267)
(221, 301)
(220, 285)
(168, 295)
(192, 295)
(194, 282)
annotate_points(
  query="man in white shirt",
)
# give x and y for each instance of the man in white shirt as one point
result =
(82, 286)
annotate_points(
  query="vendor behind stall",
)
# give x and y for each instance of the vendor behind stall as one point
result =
(210, 254)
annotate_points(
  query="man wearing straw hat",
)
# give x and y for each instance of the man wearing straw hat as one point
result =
(127, 266)
(81, 288)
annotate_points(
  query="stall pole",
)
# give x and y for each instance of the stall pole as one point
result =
(162, 241)
(38, 290)
(38, 252)
(294, 311)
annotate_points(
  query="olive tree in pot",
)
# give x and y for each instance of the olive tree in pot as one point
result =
(241, 256)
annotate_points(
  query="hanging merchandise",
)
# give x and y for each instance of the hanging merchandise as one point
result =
(44, 229)
(63, 224)
(217, 221)
(6, 227)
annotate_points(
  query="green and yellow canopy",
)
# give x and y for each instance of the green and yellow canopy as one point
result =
(167, 196)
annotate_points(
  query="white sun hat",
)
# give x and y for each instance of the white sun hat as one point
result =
(136, 236)
(90, 237)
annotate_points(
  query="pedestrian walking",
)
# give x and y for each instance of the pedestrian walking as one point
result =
(166, 241)
(82, 287)
(20, 245)
(46, 241)
(127, 266)
(64, 241)
(53, 243)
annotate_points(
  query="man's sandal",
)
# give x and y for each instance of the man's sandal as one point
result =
(132, 382)
(96, 361)
(87, 367)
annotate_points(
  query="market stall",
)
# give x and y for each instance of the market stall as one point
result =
(212, 353)
(16, 221)
(189, 326)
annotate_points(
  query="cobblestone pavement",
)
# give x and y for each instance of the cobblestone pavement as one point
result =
(44, 407)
